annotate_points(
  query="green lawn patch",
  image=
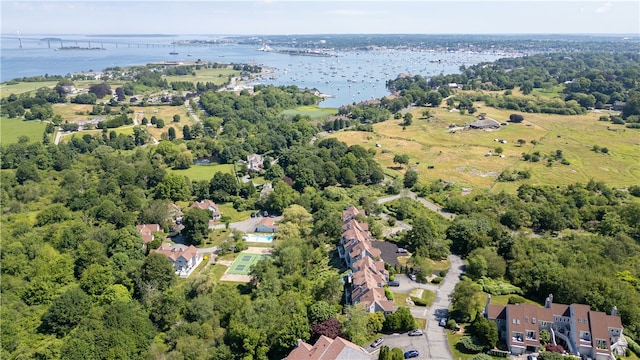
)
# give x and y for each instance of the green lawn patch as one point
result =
(218, 270)
(439, 265)
(234, 215)
(204, 172)
(24, 87)
(216, 76)
(12, 129)
(400, 299)
(314, 112)
(503, 299)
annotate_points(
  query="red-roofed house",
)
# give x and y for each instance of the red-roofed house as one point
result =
(580, 330)
(146, 231)
(328, 349)
(266, 225)
(208, 205)
(184, 259)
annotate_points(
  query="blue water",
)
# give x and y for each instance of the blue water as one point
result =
(351, 76)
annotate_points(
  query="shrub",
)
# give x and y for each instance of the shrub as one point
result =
(498, 287)
(516, 118)
(443, 273)
(555, 348)
(436, 280)
(481, 357)
(419, 301)
(451, 324)
(515, 299)
(471, 344)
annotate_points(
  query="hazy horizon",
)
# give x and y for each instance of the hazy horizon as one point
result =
(271, 17)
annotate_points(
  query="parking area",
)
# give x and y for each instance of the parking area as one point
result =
(404, 342)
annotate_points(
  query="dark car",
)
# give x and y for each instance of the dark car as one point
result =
(377, 342)
(416, 332)
(393, 283)
(411, 354)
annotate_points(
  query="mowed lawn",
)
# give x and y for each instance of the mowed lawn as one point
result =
(460, 156)
(314, 112)
(216, 76)
(204, 172)
(24, 87)
(12, 129)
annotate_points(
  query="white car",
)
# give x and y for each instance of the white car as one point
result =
(412, 277)
(443, 322)
(416, 332)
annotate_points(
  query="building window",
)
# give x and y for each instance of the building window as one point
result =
(601, 344)
(513, 321)
(531, 335)
(533, 321)
(580, 321)
(526, 319)
(586, 321)
(517, 336)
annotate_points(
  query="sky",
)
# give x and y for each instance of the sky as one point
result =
(276, 17)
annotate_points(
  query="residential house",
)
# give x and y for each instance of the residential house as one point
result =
(184, 259)
(328, 349)
(266, 225)
(581, 331)
(175, 213)
(254, 162)
(146, 231)
(210, 206)
(368, 275)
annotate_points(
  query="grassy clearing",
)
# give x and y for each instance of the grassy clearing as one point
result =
(218, 270)
(12, 129)
(204, 172)
(216, 76)
(165, 113)
(314, 112)
(234, 215)
(460, 156)
(400, 299)
(439, 265)
(502, 299)
(24, 87)
(421, 323)
(552, 92)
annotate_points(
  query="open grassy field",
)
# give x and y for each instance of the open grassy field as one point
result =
(204, 172)
(165, 113)
(12, 129)
(24, 87)
(460, 156)
(216, 76)
(314, 112)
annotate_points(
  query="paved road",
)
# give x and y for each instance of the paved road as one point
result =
(190, 109)
(436, 335)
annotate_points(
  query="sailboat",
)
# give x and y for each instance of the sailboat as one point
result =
(174, 52)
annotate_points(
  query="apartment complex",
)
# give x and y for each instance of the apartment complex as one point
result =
(580, 330)
(368, 272)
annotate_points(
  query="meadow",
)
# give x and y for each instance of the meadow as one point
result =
(12, 129)
(437, 152)
(314, 112)
(204, 172)
(216, 76)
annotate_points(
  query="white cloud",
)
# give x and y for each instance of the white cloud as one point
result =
(604, 8)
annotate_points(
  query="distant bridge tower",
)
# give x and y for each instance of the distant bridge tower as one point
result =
(19, 40)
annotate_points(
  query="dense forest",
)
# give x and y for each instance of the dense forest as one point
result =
(77, 283)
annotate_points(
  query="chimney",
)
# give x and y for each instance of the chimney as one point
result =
(548, 301)
(614, 311)
(486, 307)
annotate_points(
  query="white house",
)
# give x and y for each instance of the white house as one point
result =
(184, 259)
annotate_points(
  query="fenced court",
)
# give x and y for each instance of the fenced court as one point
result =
(243, 262)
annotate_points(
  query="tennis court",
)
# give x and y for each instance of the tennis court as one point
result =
(243, 262)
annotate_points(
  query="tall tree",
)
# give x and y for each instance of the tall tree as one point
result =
(196, 226)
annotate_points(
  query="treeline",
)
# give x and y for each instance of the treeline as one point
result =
(594, 260)
(588, 80)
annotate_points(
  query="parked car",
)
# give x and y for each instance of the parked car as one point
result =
(401, 251)
(394, 283)
(416, 332)
(412, 277)
(532, 357)
(253, 215)
(411, 354)
(377, 342)
(443, 322)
